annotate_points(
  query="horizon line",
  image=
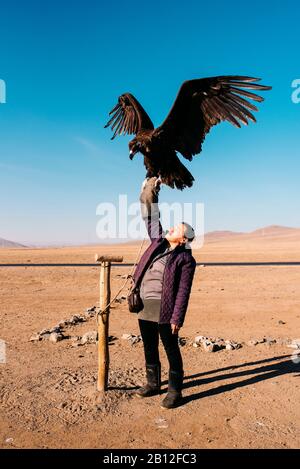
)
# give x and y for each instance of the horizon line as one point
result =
(38, 245)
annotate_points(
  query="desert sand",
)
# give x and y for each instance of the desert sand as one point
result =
(245, 398)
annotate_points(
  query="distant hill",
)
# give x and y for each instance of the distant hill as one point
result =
(4, 243)
(276, 230)
(220, 235)
(270, 232)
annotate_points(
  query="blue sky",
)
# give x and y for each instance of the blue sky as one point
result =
(65, 64)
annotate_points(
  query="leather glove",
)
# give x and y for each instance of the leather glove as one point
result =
(149, 196)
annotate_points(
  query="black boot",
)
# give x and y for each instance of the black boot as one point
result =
(153, 374)
(174, 395)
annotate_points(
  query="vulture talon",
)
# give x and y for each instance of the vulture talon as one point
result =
(158, 182)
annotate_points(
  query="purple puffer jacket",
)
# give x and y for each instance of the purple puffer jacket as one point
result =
(178, 275)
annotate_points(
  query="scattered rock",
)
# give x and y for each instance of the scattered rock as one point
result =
(126, 336)
(73, 319)
(55, 329)
(135, 339)
(9, 440)
(229, 345)
(90, 312)
(212, 344)
(89, 338)
(281, 322)
(296, 358)
(35, 338)
(56, 337)
(252, 343)
(76, 319)
(270, 341)
(55, 333)
(262, 341)
(221, 343)
(132, 338)
(283, 341)
(62, 324)
(67, 323)
(182, 341)
(76, 341)
(43, 335)
(209, 346)
(199, 339)
(46, 333)
(295, 344)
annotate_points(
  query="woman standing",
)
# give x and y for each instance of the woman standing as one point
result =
(164, 276)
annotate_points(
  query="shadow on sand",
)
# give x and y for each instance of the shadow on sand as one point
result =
(264, 369)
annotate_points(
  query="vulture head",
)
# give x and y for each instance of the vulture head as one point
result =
(134, 147)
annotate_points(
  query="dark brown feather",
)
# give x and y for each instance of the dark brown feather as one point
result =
(250, 86)
(133, 116)
(242, 101)
(237, 106)
(253, 96)
(210, 101)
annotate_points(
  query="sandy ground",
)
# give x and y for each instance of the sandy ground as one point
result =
(246, 398)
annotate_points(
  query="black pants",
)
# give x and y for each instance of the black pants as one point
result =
(150, 332)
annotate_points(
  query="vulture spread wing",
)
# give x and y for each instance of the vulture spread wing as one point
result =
(128, 116)
(203, 103)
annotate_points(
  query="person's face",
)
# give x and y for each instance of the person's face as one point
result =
(176, 234)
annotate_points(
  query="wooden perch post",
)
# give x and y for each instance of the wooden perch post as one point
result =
(103, 319)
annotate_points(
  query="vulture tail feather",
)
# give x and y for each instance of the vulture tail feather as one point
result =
(178, 175)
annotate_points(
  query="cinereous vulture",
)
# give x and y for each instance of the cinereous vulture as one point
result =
(199, 105)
